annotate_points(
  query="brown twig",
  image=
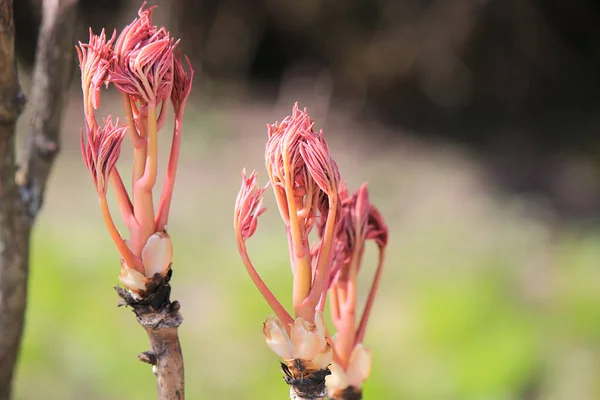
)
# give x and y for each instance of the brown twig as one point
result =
(160, 318)
(21, 193)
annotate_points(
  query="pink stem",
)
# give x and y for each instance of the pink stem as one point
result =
(164, 205)
(281, 313)
(162, 116)
(125, 206)
(327, 283)
(334, 305)
(148, 180)
(138, 142)
(324, 258)
(344, 342)
(302, 281)
(131, 259)
(143, 205)
(360, 333)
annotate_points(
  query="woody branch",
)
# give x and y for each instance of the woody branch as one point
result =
(22, 191)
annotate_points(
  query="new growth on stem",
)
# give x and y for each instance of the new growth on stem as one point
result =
(360, 222)
(309, 195)
(305, 180)
(141, 64)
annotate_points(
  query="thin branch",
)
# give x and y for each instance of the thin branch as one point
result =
(160, 318)
(21, 194)
(51, 76)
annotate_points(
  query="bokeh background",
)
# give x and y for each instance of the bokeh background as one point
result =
(475, 124)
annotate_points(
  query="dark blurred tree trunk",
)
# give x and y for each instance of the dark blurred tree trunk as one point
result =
(226, 34)
(22, 186)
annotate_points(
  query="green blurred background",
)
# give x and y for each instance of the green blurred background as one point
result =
(487, 293)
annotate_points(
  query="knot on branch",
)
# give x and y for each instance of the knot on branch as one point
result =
(32, 198)
(148, 357)
(154, 310)
(47, 148)
(304, 384)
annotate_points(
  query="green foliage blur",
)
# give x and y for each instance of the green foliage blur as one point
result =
(484, 296)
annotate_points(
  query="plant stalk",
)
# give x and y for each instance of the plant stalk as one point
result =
(160, 318)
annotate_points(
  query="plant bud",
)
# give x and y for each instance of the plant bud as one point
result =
(309, 341)
(157, 254)
(133, 280)
(359, 368)
(277, 338)
(306, 342)
(156, 258)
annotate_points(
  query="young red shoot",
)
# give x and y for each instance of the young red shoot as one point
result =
(304, 176)
(360, 222)
(141, 64)
(248, 207)
(305, 180)
(94, 60)
(100, 153)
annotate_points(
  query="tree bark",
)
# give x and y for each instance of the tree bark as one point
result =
(166, 353)
(21, 192)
